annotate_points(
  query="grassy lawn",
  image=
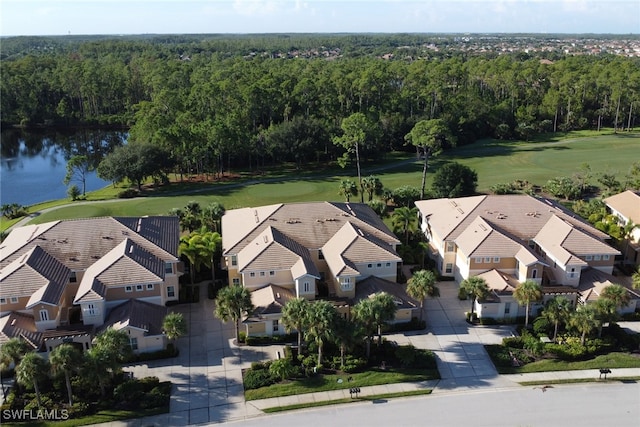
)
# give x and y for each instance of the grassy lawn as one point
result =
(330, 382)
(372, 398)
(104, 416)
(494, 161)
(611, 361)
(581, 380)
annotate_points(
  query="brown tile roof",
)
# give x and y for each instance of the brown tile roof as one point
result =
(136, 314)
(372, 285)
(627, 203)
(79, 243)
(35, 273)
(309, 224)
(351, 245)
(269, 300)
(126, 264)
(593, 282)
(20, 325)
(273, 250)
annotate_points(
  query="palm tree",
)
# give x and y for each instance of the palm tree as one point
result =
(527, 293)
(174, 326)
(115, 347)
(31, 370)
(295, 314)
(476, 288)
(95, 368)
(200, 248)
(347, 189)
(422, 285)
(212, 215)
(345, 335)
(320, 324)
(364, 314)
(606, 311)
(557, 310)
(405, 220)
(210, 244)
(11, 352)
(232, 303)
(616, 293)
(372, 313)
(66, 358)
(372, 185)
(584, 320)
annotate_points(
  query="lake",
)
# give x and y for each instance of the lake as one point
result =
(33, 163)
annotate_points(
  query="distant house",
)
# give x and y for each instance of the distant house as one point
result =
(626, 207)
(512, 238)
(64, 279)
(309, 250)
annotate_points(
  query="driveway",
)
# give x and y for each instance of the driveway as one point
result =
(459, 347)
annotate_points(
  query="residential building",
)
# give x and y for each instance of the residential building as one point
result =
(309, 250)
(626, 207)
(512, 238)
(64, 280)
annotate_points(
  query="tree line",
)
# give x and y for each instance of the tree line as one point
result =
(209, 109)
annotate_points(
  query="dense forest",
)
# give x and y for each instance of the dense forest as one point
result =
(264, 99)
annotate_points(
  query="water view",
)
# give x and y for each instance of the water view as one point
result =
(33, 164)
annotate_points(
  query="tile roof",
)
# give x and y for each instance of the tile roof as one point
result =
(273, 250)
(627, 203)
(20, 325)
(35, 273)
(309, 224)
(372, 285)
(269, 300)
(351, 245)
(137, 314)
(79, 243)
(593, 282)
(128, 263)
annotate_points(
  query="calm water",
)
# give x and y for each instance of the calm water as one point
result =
(33, 164)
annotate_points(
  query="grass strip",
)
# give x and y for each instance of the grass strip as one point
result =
(103, 416)
(579, 380)
(347, 400)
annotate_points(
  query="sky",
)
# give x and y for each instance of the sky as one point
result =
(82, 17)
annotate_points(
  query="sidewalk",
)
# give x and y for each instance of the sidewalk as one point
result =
(443, 386)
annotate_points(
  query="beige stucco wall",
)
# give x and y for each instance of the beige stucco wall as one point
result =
(83, 340)
(383, 271)
(146, 343)
(253, 329)
(259, 281)
(53, 314)
(119, 293)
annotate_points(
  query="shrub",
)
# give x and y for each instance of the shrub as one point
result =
(242, 337)
(504, 188)
(488, 321)
(74, 193)
(462, 295)
(275, 339)
(513, 342)
(414, 324)
(406, 354)
(282, 368)
(79, 409)
(149, 383)
(256, 379)
(128, 193)
(351, 364)
(129, 391)
(542, 327)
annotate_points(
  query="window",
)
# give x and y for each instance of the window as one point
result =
(3, 300)
(234, 260)
(91, 310)
(345, 283)
(171, 291)
(275, 325)
(487, 259)
(450, 247)
(605, 257)
(369, 265)
(272, 273)
(44, 315)
(596, 257)
(496, 259)
(236, 281)
(448, 268)
(534, 273)
(388, 265)
(133, 342)
(252, 274)
(379, 265)
(306, 287)
(168, 268)
(14, 300)
(588, 258)
(262, 274)
(149, 286)
(320, 255)
(139, 288)
(72, 277)
(507, 308)
(128, 288)
(479, 260)
(572, 273)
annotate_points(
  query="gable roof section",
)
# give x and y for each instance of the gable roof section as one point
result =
(593, 282)
(373, 285)
(499, 283)
(627, 203)
(127, 263)
(36, 273)
(79, 243)
(444, 215)
(20, 325)
(481, 239)
(136, 314)
(273, 250)
(309, 224)
(269, 300)
(564, 242)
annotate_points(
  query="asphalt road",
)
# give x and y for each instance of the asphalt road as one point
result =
(584, 405)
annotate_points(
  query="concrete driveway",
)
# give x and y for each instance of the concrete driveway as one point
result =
(462, 359)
